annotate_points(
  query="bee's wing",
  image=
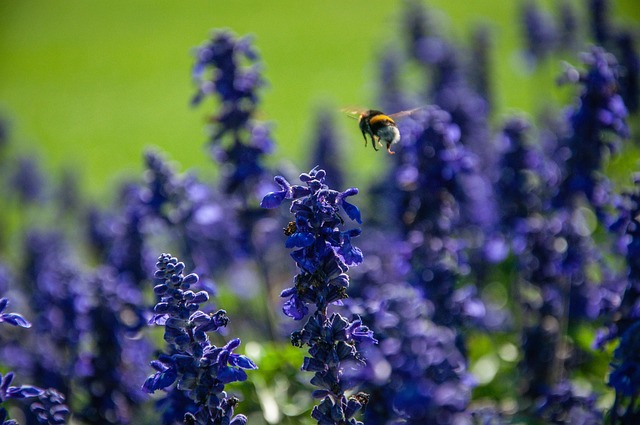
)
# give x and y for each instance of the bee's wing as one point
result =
(354, 113)
(406, 113)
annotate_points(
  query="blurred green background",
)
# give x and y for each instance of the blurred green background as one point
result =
(91, 83)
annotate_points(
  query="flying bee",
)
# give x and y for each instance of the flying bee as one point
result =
(378, 126)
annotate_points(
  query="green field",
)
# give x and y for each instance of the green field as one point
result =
(92, 83)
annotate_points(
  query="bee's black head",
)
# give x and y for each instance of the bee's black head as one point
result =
(372, 113)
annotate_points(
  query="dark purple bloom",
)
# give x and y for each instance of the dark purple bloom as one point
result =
(625, 376)
(228, 366)
(629, 58)
(600, 25)
(330, 412)
(324, 252)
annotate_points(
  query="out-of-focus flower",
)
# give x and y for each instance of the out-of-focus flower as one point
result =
(568, 27)
(540, 34)
(629, 59)
(327, 150)
(598, 124)
(600, 20)
(624, 321)
(27, 180)
(562, 405)
(482, 45)
(227, 68)
(417, 373)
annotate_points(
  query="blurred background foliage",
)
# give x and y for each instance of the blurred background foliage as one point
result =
(90, 84)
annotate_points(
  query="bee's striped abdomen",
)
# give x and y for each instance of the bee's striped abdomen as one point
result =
(379, 121)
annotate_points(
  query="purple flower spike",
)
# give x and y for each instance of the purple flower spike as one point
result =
(323, 255)
(200, 368)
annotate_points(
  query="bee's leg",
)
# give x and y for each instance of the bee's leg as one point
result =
(365, 138)
(389, 149)
(373, 143)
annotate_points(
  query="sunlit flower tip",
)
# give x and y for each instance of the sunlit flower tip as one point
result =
(196, 298)
(160, 289)
(306, 177)
(13, 319)
(274, 199)
(341, 281)
(349, 192)
(5, 381)
(244, 362)
(360, 333)
(190, 279)
(239, 420)
(25, 391)
(233, 344)
(288, 292)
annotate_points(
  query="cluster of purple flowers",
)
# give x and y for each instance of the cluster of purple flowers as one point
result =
(227, 68)
(323, 253)
(48, 405)
(504, 248)
(536, 219)
(199, 368)
(598, 123)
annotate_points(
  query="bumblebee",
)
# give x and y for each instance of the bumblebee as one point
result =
(378, 126)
